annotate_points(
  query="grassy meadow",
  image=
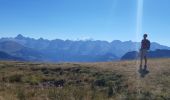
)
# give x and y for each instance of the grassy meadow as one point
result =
(119, 80)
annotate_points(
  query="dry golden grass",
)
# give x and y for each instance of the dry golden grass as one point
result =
(84, 81)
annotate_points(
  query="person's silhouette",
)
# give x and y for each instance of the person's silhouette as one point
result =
(145, 46)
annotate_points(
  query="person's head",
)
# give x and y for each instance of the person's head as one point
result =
(145, 36)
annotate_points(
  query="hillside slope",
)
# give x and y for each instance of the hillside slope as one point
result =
(6, 56)
(163, 53)
(20, 51)
(85, 81)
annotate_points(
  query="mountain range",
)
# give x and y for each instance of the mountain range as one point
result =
(59, 50)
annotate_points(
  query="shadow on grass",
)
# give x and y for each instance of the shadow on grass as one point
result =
(143, 71)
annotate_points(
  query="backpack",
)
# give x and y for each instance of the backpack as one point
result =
(148, 44)
(145, 44)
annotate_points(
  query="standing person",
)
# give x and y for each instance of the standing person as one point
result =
(145, 46)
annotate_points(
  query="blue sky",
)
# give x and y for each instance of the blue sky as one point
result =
(80, 19)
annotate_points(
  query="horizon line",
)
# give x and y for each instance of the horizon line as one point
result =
(91, 39)
(88, 39)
